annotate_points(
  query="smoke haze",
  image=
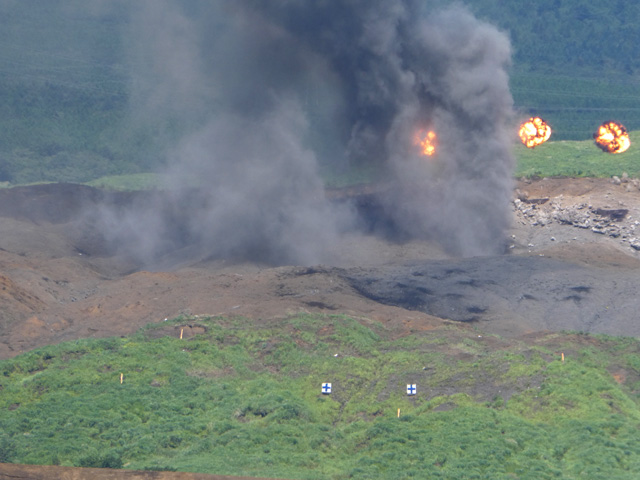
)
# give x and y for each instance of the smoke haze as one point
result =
(270, 93)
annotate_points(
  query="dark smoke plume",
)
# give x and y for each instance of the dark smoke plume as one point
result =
(269, 93)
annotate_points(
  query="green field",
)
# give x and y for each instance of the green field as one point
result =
(554, 158)
(569, 158)
(244, 399)
(577, 159)
(575, 106)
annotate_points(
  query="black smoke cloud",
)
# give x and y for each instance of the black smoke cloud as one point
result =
(270, 93)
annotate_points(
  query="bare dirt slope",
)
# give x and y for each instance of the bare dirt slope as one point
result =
(572, 245)
(40, 472)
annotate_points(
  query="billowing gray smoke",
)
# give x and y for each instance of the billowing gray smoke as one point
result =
(271, 93)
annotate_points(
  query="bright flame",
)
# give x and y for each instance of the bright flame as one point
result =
(612, 137)
(426, 140)
(534, 132)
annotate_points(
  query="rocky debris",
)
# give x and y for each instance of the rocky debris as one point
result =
(599, 215)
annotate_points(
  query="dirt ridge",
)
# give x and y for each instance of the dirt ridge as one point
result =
(10, 471)
(56, 285)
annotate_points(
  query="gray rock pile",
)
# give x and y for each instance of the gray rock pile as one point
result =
(615, 221)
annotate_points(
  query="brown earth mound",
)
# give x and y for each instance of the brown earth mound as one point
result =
(10, 471)
(59, 282)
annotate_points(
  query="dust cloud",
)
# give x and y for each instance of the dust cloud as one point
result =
(270, 96)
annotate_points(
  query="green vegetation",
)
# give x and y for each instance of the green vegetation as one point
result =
(574, 61)
(577, 159)
(553, 158)
(574, 106)
(578, 37)
(132, 182)
(65, 86)
(244, 399)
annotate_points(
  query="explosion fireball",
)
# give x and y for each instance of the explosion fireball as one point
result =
(534, 132)
(612, 137)
(426, 140)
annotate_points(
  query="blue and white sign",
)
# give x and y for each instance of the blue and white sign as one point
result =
(411, 389)
(326, 388)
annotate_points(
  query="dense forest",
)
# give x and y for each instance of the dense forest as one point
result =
(66, 83)
(574, 61)
(569, 37)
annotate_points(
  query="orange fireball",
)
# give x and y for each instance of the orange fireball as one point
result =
(534, 132)
(426, 141)
(612, 137)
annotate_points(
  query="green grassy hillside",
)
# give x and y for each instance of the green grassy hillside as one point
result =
(577, 159)
(238, 398)
(576, 106)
